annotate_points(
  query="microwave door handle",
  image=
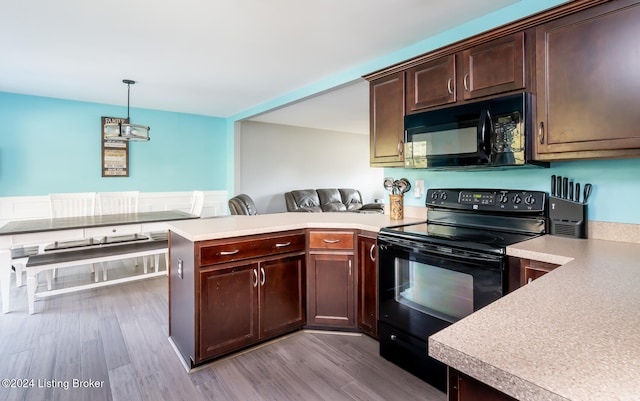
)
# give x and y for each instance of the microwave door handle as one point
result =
(484, 132)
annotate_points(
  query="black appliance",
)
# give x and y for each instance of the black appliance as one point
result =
(435, 273)
(491, 133)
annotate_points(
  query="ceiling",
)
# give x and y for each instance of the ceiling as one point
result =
(213, 57)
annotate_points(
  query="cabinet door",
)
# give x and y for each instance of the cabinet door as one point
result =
(466, 388)
(386, 114)
(228, 315)
(281, 295)
(431, 84)
(494, 67)
(586, 74)
(368, 285)
(533, 269)
(330, 300)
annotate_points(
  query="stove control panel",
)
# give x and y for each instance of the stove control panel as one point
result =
(494, 200)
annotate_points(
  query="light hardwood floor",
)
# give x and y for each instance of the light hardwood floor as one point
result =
(117, 337)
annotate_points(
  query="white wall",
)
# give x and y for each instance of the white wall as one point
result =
(279, 158)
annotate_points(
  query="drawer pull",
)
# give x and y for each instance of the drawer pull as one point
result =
(449, 90)
(283, 245)
(331, 241)
(226, 253)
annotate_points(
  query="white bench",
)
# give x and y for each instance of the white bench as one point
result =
(89, 255)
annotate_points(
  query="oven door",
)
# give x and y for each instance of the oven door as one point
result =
(424, 287)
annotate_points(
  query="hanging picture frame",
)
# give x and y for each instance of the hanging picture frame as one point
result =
(115, 154)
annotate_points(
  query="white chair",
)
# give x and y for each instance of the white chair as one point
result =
(118, 203)
(197, 203)
(71, 205)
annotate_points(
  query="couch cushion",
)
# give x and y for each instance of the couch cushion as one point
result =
(305, 200)
(351, 198)
(330, 200)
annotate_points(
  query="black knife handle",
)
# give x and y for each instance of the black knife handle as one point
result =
(559, 186)
(571, 191)
(553, 185)
(565, 187)
(577, 192)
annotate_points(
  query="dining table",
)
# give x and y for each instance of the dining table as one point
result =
(20, 233)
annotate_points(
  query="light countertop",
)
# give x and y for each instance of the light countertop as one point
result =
(236, 226)
(573, 334)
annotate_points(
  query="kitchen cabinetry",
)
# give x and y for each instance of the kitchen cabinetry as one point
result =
(368, 283)
(331, 279)
(586, 91)
(228, 294)
(465, 388)
(386, 114)
(490, 68)
(533, 269)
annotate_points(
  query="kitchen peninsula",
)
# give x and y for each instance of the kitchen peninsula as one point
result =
(239, 280)
(569, 335)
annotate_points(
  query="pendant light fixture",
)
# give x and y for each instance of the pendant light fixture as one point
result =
(126, 131)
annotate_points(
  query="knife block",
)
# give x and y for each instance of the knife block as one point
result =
(567, 218)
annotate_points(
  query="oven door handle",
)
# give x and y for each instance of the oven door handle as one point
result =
(441, 250)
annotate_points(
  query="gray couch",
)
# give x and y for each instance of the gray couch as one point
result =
(329, 200)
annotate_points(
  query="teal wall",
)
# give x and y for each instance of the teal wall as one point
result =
(616, 184)
(52, 145)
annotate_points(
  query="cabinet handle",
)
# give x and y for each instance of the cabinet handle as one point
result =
(449, 86)
(541, 132)
(400, 147)
(226, 253)
(349, 267)
(464, 82)
(530, 280)
(255, 278)
(264, 276)
(283, 245)
(373, 259)
(331, 241)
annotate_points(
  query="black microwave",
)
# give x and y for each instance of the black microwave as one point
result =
(492, 133)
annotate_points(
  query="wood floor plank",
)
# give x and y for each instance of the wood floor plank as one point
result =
(94, 381)
(116, 352)
(119, 333)
(124, 384)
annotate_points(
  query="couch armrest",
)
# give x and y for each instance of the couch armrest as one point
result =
(372, 208)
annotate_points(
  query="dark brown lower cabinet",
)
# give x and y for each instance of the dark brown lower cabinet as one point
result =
(282, 291)
(228, 294)
(331, 279)
(228, 310)
(465, 388)
(368, 284)
(331, 298)
(242, 304)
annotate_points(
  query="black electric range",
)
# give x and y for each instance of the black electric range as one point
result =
(434, 273)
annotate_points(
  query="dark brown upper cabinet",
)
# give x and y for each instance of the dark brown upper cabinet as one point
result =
(495, 67)
(587, 83)
(386, 114)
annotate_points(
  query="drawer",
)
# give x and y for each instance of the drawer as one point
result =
(331, 240)
(124, 229)
(233, 249)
